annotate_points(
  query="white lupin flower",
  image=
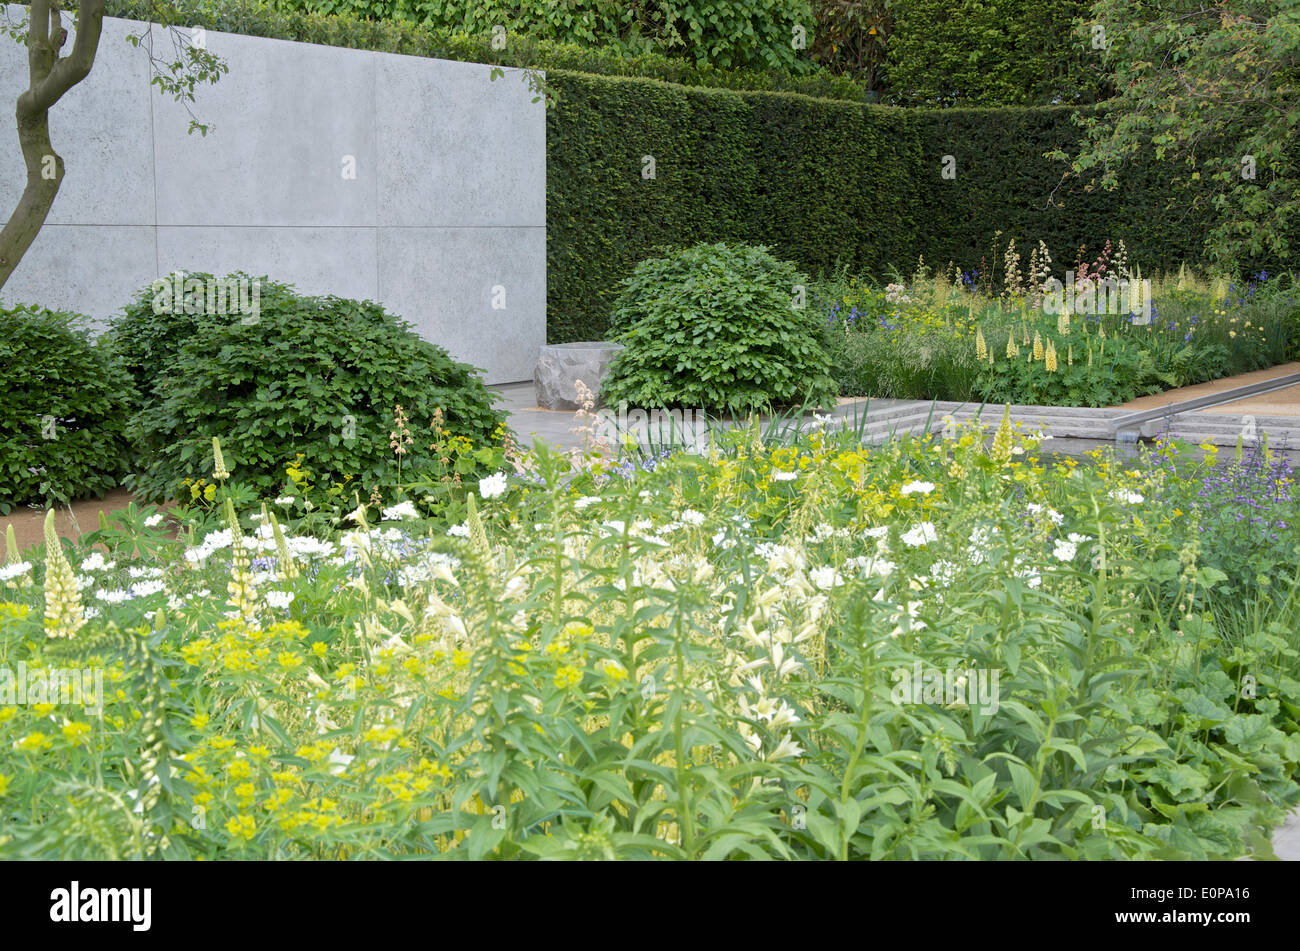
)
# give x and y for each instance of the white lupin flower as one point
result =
(917, 488)
(586, 500)
(459, 531)
(339, 762)
(153, 520)
(692, 517)
(143, 589)
(779, 475)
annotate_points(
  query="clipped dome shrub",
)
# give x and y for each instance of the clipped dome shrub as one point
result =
(64, 405)
(316, 376)
(717, 327)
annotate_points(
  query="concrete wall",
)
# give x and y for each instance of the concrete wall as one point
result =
(448, 201)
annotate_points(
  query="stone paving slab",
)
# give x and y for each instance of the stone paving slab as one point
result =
(1216, 386)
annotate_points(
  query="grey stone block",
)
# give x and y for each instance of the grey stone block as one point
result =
(561, 365)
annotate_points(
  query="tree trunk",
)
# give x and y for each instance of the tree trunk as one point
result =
(50, 77)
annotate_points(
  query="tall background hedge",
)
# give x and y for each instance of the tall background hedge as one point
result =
(825, 183)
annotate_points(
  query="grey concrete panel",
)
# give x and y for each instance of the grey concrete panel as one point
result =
(339, 261)
(446, 281)
(284, 121)
(86, 269)
(457, 148)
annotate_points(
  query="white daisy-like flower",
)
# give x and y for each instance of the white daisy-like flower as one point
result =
(285, 500)
(459, 531)
(494, 486)
(280, 600)
(400, 512)
(143, 589)
(153, 520)
(692, 517)
(16, 570)
(95, 562)
(1127, 496)
(586, 500)
(779, 475)
(922, 534)
(917, 488)
(1064, 550)
(825, 577)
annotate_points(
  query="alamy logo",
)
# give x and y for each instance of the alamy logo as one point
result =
(84, 686)
(975, 687)
(134, 905)
(1098, 296)
(677, 427)
(213, 296)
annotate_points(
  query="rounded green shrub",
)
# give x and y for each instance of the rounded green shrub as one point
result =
(311, 377)
(64, 406)
(718, 327)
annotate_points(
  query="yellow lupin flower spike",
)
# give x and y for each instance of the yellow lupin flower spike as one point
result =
(1001, 450)
(981, 347)
(243, 595)
(11, 545)
(288, 567)
(1069, 355)
(1038, 347)
(1049, 358)
(1012, 349)
(219, 470)
(63, 613)
(1063, 324)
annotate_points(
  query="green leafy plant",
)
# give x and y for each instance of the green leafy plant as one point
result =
(63, 410)
(717, 327)
(316, 377)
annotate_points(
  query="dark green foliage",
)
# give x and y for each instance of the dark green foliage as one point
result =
(976, 52)
(725, 33)
(718, 327)
(341, 28)
(317, 376)
(58, 383)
